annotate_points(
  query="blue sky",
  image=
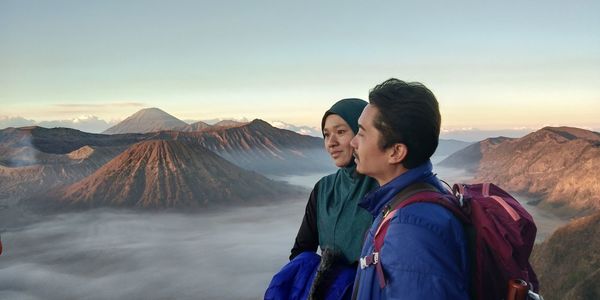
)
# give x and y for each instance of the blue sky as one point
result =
(492, 65)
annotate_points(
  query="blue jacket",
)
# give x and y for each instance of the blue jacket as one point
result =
(293, 281)
(424, 253)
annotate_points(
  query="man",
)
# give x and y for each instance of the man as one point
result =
(424, 253)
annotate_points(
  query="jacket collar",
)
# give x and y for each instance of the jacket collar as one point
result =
(377, 199)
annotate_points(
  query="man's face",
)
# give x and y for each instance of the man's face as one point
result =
(370, 159)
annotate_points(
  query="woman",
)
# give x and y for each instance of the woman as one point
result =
(332, 221)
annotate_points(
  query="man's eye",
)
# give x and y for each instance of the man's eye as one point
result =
(325, 134)
(341, 131)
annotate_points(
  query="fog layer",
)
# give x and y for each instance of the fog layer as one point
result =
(126, 255)
(120, 254)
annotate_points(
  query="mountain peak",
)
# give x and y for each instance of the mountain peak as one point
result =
(147, 120)
(260, 124)
(151, 111)
(496, 140)
(572, 133)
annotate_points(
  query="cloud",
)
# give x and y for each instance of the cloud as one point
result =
(127, 255)
(6, 121)
(474, 135)
(124, 254)
(305, 130)
(217, 120)
(87, 123)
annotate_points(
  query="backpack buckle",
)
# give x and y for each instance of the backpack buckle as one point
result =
(363, 263)
(534, 296)
(368, 260)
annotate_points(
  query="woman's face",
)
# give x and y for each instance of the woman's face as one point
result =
(338, 134)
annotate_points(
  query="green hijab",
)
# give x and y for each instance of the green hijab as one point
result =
(340, 221)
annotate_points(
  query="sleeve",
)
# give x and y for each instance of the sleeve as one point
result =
(307, 238)
(420, 263)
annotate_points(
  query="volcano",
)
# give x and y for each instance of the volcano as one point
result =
(165, 174)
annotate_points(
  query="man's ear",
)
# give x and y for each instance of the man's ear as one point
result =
(397, 153)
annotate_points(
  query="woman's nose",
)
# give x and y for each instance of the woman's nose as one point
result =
(332, 141)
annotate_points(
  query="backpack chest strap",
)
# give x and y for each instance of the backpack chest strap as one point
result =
(373, 259)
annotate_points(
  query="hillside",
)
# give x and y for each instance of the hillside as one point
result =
(568, 263)
(165, 174)
(561, 165)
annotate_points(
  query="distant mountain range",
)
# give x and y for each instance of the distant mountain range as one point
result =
(261, 147)
(34, 159)
(448, 147)
(240, 143)
(559, 164)
(469, 157)
(154, 120)
(166, 174)
(568, 263)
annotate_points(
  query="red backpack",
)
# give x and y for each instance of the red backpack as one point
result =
(501, 234)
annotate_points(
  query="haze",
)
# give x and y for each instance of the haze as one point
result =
(110, 254)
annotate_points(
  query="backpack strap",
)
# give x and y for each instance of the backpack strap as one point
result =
(417, 192)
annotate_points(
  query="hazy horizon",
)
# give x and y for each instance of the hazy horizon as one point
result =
(93, 124)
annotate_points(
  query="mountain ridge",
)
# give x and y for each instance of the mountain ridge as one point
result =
(559, 164)
(35, 159)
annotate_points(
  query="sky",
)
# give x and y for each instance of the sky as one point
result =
(492, 65)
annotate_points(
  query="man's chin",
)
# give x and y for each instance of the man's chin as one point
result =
(358, 166)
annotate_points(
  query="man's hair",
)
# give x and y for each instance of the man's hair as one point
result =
(408, 114)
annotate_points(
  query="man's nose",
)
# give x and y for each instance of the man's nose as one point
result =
(353, 142)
